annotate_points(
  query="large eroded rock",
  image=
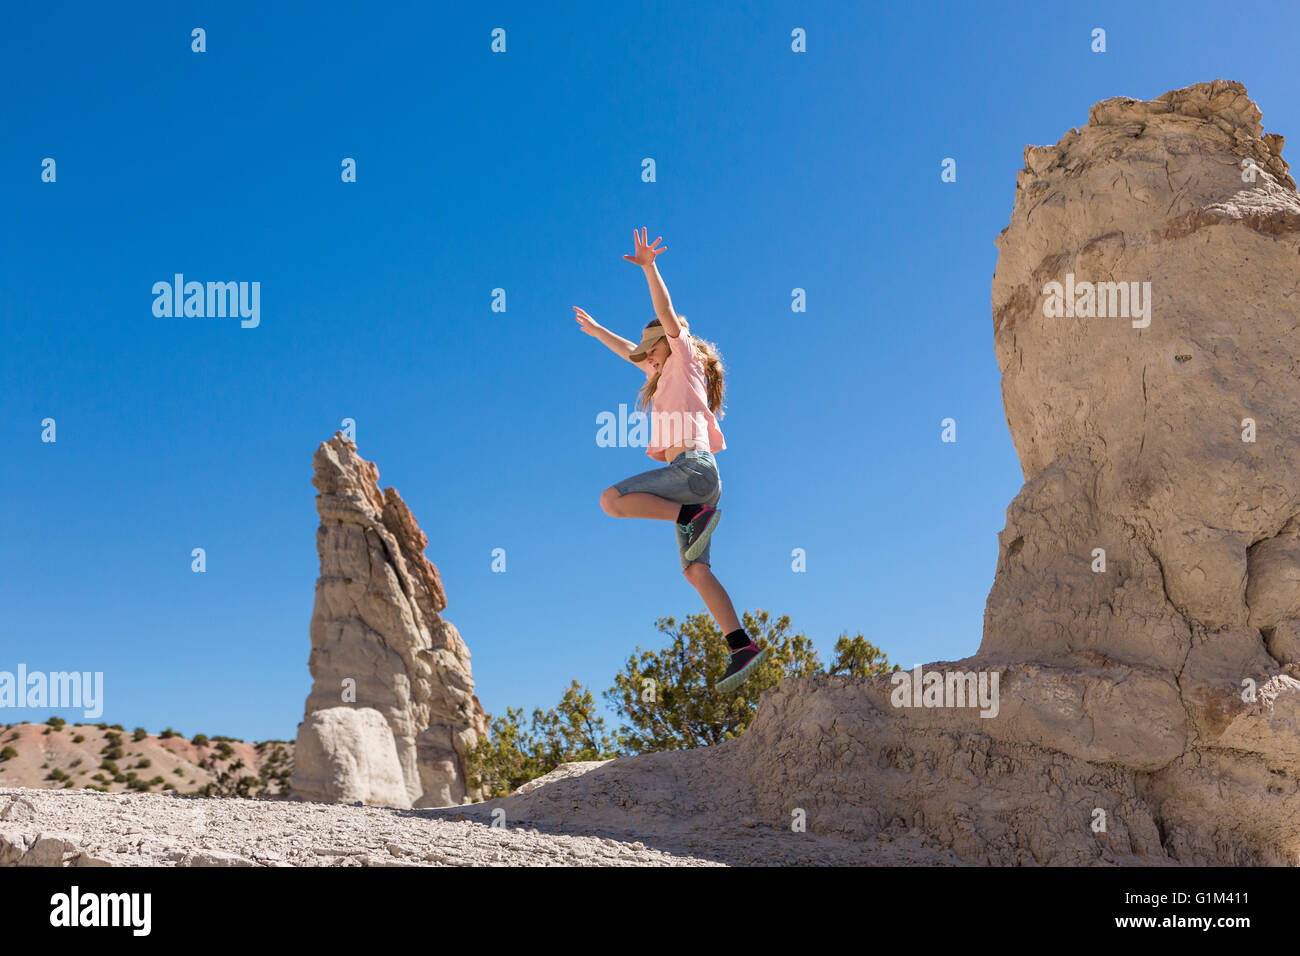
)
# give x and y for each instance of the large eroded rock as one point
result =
(378, 642)
(1145, 615)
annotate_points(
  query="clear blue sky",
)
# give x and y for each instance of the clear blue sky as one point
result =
(522, 171)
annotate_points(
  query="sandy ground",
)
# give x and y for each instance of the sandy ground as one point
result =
(87, 828)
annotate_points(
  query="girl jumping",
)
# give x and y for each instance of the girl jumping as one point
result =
(684, 390)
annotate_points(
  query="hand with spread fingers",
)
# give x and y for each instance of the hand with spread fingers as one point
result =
(645, 254)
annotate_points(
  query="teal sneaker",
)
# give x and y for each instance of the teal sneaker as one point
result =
(699, 529)
(742, 666)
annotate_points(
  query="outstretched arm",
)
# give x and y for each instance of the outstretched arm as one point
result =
(615, 343)
(645, 258)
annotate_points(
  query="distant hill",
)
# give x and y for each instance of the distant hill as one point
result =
(55, 755)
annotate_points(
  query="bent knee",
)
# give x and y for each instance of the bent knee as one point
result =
(696, 572)
(608, 499)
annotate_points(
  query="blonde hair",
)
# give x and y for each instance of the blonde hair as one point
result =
(709, 357)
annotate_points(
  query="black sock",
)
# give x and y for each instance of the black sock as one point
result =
(688, 512)
(738, 639)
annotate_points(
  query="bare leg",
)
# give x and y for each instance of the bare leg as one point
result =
(638, 505)
(714, 594)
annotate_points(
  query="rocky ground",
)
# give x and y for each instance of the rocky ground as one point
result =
(88, 828)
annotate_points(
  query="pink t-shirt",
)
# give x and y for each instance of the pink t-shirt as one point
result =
(680, 408)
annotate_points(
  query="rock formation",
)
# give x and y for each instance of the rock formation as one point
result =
(392, 710)
(1144, 621)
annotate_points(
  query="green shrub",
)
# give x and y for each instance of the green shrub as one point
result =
(144, 762)
(168, 734)
(8, 753)
(140, 734)
(200, 740)
(78, 739)
(57, 774)
(102, 726)
(115, 726)
(57, 723)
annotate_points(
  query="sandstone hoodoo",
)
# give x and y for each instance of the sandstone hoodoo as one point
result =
(1145, 614)
(392, 711)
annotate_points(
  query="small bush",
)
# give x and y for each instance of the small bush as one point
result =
(200, 740)
(102, 726)
(78, 739)
(57, 774)
(168, 734)
(144, 763)
(115, 726)
(57, 723)
(140, 734)
(8, 753)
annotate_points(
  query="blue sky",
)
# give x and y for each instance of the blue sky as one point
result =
(520, 171)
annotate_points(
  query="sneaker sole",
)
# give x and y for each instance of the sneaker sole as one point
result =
(738, 678)
(694, 550)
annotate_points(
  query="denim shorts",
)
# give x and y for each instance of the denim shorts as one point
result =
(690, 478)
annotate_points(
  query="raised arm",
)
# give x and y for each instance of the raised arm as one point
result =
(615, 343)
(645, 258)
